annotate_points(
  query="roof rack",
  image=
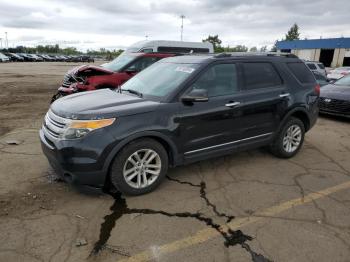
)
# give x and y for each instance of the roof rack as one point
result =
(231, 54)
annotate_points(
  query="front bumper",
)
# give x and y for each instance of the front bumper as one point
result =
(76, 162)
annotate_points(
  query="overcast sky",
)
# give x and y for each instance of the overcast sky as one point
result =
(117, 24)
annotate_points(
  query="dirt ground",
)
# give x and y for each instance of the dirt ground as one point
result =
(249, 206)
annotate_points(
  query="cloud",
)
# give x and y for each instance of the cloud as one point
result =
(119, 23)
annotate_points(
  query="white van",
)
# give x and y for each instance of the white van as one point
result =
(164, 46)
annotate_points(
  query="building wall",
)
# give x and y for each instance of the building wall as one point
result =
(307, 54)
(314, 55)
(338, 57)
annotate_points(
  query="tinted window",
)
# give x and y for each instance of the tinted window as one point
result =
(260, 75)
(218, 80)
(320, 77)
(301, 72)
(312, 66)
(321, 66)
(170, 49)
(142, 63)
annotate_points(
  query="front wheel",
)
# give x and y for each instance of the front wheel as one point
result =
(289, 140)
(140, 167)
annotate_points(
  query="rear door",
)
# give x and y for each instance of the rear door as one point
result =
(263, 100)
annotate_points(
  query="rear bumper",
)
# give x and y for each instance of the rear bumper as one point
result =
(77, 169)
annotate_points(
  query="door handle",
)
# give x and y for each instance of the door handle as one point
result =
(284, 95)
(232, 104)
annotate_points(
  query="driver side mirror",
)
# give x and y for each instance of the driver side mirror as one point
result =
(196, 95)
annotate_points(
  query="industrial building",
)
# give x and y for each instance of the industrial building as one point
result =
(332, 52)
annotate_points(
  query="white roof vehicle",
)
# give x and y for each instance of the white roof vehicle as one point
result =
(164, 46)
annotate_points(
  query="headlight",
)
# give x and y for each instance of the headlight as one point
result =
(79, 128)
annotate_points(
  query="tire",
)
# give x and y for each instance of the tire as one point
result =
(289, 140)
(125, 165)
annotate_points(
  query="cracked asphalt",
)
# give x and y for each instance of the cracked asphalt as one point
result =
(249, 206)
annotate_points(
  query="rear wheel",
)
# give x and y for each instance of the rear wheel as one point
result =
(289, 140)
(140, 167)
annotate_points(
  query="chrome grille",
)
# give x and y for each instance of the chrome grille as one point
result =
(334, 105)
(54, 125)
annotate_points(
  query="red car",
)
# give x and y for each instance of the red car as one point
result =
(109, 75)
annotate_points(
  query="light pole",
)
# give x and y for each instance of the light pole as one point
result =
(1, 42)
(182, 25)
(6, 41)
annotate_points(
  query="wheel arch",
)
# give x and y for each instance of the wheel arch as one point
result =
(169, 146)
(300, 113)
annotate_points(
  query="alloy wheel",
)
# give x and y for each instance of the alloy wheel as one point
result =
(142, 168)
(292, 138)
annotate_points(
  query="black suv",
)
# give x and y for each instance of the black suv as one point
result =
(180, 110)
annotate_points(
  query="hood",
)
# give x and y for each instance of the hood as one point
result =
(89, 70)
(335, 92)
(104, 103)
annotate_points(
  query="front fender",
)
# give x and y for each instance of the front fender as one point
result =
(116, 149)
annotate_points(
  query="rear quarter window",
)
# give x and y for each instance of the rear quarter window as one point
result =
(260, 75)
(301, 72)
(312, 66)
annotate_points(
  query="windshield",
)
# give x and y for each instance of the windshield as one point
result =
(344, 81)
(160, 78)
(118, 63)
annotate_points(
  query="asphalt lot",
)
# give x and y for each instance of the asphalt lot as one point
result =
(249, 206)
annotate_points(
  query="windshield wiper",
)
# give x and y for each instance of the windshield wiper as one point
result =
(131, 91)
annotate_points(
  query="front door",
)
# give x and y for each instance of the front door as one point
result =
(205, 126)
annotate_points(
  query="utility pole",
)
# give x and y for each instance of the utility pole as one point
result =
(1, 43)
(182, 25)
(6, 41)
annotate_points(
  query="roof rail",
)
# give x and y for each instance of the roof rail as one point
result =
(232, 54)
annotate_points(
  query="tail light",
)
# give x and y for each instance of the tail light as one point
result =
(317, 89)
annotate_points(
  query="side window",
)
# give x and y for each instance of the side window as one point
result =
(260, 75)
(321, 66)
(218, 80)
(301, 72)
(142, 63)
(312, 66)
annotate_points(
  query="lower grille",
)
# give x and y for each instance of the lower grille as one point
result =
(334, 105)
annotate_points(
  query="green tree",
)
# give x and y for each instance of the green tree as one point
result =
(274, 47)
(253, 49)
(263, 48)
(293, 33)
(215, 41)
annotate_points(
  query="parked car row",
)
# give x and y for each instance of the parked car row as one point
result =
(24, 57)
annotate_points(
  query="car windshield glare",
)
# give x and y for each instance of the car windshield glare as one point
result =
(118, 63)
(160, 79)
(344, 81)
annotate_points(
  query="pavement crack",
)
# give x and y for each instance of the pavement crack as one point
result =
(120, 208)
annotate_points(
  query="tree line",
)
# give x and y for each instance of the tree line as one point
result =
(292, 34)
